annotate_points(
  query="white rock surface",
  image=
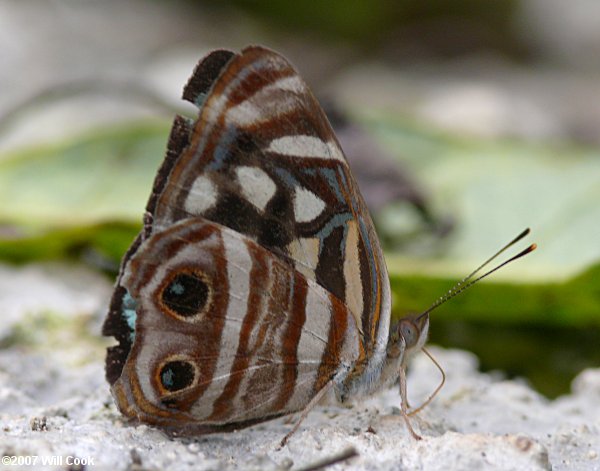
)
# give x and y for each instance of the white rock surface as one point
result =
(54, 402)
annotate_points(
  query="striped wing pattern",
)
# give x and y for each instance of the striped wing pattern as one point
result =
(264, 341)
(254, 211)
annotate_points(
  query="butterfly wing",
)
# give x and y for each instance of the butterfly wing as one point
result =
(228, 332)
(262, 165)
(263, 160)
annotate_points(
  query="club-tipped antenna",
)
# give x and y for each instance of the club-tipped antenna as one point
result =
(468, 280)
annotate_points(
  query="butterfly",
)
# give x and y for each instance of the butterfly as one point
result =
(257, 284)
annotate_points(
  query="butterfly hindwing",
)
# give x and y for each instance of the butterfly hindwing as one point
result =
(228, 333)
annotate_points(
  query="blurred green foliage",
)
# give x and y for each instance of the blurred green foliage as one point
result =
(369, 21)
(85, 199)
(105, 176)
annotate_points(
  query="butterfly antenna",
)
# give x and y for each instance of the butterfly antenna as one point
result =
(468, 280)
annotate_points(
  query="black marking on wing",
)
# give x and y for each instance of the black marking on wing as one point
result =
(330, 270)
(116, 325)
(179, 140)
(205, 73)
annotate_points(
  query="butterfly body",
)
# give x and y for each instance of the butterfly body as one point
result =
(257, 280)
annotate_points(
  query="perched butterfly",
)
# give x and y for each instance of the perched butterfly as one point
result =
(257, 284)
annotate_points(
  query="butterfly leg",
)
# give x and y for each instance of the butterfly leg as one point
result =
(437, 390)
(404, 404)
(313, 402)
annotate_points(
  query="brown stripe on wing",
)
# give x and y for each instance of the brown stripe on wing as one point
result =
(279, 345)
(331, 358)
(259, 278)
(370, 309)
(215, 323)
(255, 80)
(296, 293)
(381, 293)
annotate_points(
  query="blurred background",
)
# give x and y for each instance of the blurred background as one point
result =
(464, 123)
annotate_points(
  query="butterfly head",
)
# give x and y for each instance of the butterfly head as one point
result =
(408, 336)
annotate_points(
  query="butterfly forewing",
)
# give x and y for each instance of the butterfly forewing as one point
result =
(263, 160)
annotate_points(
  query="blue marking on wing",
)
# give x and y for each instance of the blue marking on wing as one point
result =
(344, 238)
(128, 312)
(200, 99)
(176, 288)
(287, 177)
(223, 148)
(329, 175)
(339, 220)
(167, 378)
(343, 177)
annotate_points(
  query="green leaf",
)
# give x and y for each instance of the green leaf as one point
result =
(102, 177)
(495, 189)
(101, 244)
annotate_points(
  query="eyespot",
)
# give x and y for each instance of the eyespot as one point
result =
(177, 375)
(186, 295)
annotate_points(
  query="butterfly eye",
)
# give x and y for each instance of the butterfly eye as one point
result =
(409, 332)
(177, 375)
(186, 295)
